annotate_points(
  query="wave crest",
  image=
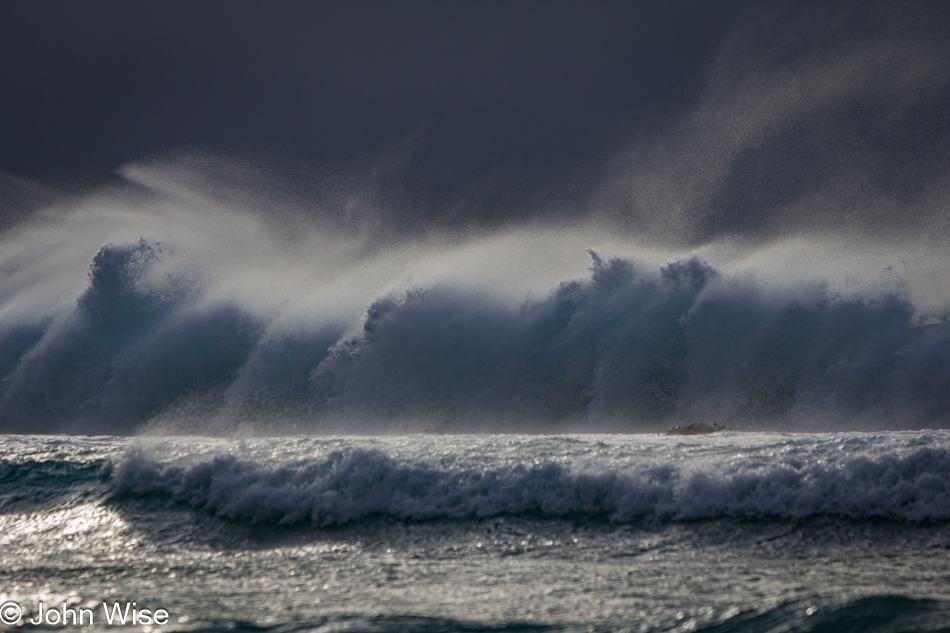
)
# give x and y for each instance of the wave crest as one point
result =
(628, 348)
(351, 485)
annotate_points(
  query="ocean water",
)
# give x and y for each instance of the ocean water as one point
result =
(726, 532)
(139, 339)
(772, 257)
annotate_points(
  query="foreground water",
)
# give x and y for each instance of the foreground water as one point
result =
(730, 532)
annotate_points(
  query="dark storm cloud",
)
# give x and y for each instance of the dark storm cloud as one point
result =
(476, 89)
(681, 122)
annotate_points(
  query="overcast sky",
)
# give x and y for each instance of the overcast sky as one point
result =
(690, 119)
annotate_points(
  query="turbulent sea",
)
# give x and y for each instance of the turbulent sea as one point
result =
(137, 322)
(726, 532)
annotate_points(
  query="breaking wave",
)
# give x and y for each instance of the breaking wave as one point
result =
(352, 485)
(627, 344)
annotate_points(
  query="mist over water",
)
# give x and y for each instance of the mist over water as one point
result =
(773, 258)
(370, 316)
(153, 306)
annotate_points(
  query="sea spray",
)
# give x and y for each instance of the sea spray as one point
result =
(629, 348)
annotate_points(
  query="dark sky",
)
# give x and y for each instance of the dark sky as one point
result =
(471, 88)
(90, 85)
(498, 100)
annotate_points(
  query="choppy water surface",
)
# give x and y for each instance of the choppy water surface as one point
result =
(730, 532)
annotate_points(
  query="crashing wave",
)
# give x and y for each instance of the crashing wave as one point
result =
(628, 349)
(352, 485)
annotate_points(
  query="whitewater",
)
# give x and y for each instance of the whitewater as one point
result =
(418, 378)
(176, 314)
(729, 532)
(262, 421)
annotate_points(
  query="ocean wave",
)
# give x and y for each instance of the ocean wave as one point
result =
(352, 485)
(30, 484)
(628, 348)
(872, 614)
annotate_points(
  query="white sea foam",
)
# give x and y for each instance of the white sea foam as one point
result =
(349, 485)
